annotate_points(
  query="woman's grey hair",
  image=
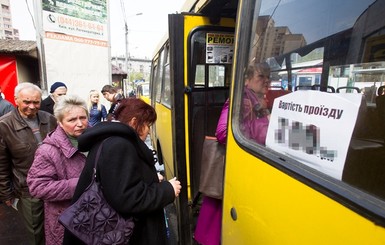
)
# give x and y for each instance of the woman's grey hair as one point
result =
(26, 85)
(66, 103)
(263, 68)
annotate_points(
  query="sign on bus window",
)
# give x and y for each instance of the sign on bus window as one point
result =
(314, 128)
(219, 48)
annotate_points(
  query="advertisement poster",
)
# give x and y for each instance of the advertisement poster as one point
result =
(306, 125)
(76, 44)
(82, 21)
(219, 48)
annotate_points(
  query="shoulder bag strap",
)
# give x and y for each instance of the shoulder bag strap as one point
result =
(97, 158)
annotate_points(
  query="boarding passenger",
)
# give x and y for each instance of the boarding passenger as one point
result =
(255, 116)
(208, 228)
(127, 173)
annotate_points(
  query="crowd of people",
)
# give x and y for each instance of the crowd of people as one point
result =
(47, 149)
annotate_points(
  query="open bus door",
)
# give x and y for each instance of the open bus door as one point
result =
(190, 84)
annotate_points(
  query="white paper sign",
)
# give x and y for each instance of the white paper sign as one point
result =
(219, 48)
(314, 128)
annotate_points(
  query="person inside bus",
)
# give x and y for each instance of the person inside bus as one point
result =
(254, 122)
(208, 227)
(255, 116)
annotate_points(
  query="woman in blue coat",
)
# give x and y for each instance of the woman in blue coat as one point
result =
(127, 173)
(98, 112)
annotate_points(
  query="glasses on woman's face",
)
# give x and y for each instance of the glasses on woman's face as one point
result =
(262, 76)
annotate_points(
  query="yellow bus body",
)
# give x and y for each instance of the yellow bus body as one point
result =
(274, 208)
(164, 135)
(270, 197)
(265, 205)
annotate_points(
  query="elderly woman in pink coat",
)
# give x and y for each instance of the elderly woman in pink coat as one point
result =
(255, 115)
(56, 168)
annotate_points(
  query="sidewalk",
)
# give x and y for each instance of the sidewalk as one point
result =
(12, 231)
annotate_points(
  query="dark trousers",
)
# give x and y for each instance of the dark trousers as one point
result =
(32, 212)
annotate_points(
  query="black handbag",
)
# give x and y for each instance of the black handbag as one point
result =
(212, 168)
(93, 220)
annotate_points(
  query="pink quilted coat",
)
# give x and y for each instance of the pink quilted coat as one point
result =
(221, 131)
(53, 177)
(253, 126)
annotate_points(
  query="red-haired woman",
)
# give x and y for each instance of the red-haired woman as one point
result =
(127, 173)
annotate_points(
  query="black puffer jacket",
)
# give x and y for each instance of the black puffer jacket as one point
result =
(128, 176)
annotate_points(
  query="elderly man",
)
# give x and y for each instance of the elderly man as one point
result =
(57, 89)
(21, 131)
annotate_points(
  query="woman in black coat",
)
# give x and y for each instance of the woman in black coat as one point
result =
(127, 173)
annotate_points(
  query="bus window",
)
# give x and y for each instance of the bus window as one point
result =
(305, 80)
(212, 63)
(153, 76)
(166, 100)
(199, 76)
(320, 58)
(159, 76)
(217, 76)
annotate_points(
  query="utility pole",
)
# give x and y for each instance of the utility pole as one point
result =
(127, 52)
(126, 56)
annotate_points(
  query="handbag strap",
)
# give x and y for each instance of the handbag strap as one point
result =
(97, 157)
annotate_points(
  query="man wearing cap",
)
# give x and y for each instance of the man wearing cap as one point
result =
(57, 89)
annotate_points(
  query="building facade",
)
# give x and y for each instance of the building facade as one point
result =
(127, 76)
(137, 68)
(275, 40)
(6, 29)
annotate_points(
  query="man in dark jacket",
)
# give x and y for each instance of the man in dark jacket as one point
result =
(21, 131)
(57, 89)
(5, 105)
(112, 95)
